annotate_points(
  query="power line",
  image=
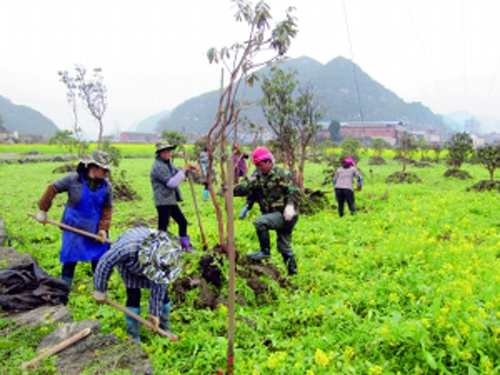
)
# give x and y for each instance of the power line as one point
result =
(426, 57)
(431, 102)
(353, 64)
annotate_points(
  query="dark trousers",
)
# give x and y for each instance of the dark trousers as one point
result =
(134, 297)
(68, 269)
(345, 195)
(164, 214)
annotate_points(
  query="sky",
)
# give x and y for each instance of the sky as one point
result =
(442, 53)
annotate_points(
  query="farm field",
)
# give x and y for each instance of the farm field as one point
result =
(409, 285)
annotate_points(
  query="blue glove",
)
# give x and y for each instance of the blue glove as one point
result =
(243, 212)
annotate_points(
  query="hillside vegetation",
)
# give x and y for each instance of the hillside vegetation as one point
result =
(335, 89)
(25, 119)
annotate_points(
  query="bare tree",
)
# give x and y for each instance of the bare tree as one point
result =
(93, 93)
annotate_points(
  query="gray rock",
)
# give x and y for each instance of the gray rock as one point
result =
(97, 353)
(43, 315)
(9, 257)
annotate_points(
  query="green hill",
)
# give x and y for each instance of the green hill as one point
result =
(335, 88)
(25, 120)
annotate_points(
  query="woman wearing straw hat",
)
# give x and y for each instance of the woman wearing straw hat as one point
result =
(89, 207)
(145, 258)
(165, 179)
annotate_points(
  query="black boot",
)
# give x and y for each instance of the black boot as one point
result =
(264, 242)
(290, 263)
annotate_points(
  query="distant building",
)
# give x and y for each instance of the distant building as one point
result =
(389, 131)
(132, 137)
(477, 140)
(430, 136)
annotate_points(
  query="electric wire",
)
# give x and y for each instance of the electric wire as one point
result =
(431, 102)
(353, 64)
(426, 57)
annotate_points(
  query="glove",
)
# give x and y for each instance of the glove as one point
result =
(103, 236)
(289, 212)
(155, 321)
(41, 216)
(100, 297)
(176, 180)
(243, 212)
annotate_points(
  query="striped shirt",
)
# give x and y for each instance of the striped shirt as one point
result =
(124, 255)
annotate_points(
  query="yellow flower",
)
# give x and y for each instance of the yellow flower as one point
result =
(452, 341)
(376, 370)
(321, 358)
(309, 372)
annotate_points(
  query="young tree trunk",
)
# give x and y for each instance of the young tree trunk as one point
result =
(101, 128)
(492, 172)
(404, 160)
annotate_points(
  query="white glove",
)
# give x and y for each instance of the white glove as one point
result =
(100, 297)
(289, 212)
(41, 216)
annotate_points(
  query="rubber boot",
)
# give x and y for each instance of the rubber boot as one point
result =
(133, 326)
(67, 280)
(264, 241)
(206, 193)
(291, 265)
(165, 317)
(186, 244)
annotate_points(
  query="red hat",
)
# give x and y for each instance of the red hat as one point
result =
(261, 154)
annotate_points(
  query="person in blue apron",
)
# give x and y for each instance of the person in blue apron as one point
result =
(89, 208)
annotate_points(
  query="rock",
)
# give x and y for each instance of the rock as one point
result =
(13, 258)
(43, 315)
(97, 353)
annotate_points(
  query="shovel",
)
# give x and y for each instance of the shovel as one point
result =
(73, 229)
(140, 319)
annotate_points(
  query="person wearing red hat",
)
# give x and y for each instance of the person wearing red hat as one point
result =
(278, 198)
(344, 186)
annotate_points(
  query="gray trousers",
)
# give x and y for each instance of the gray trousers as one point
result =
(275, 221)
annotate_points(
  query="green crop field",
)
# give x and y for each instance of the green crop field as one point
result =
(409, 285)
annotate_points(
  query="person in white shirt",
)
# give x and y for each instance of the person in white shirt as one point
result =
(343, 182)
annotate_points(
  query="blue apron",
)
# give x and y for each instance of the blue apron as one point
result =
(86, 216)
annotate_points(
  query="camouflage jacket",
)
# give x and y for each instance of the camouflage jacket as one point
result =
(274, 190)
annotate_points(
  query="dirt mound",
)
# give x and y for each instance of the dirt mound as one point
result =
(122, 189)
(212, 279)
(313, 201)
(422, 165)
(376, 160)
(66, 168)
(459, 174)
(485, 185)
(403, 178)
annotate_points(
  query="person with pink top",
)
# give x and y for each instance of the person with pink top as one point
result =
(343, 182)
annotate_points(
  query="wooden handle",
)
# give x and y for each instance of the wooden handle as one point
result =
(140, 319)
(63, 345)
(73, 229)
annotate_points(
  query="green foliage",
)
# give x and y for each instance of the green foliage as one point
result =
(423, 146)
(460, 147)
(379, 145)
(413, 276)
(436, 147)
(489, 156)
(174, 137)
(113, 151)
(350, 147)
(334, 129)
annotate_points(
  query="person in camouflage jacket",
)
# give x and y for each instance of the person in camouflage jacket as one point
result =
(278, 198)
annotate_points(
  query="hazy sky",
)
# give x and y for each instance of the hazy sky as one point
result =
(443, 53)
